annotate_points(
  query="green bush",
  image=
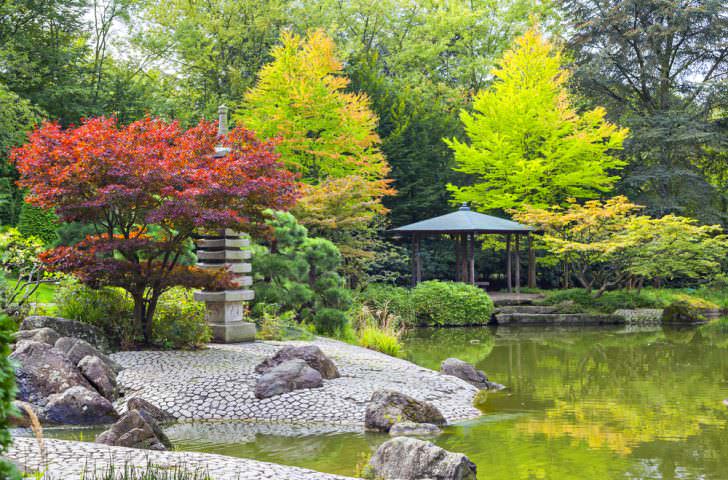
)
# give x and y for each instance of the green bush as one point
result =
(684, 311)
(397, 300)
(110, 309)
(330, 321)
(579, 300)
(451, 303)
(179, 321)
(38, 222)
(7, 395)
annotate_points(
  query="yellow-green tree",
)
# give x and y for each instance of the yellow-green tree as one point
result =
(325, 134)
(324, 131)
(528, 144)
(609, 244)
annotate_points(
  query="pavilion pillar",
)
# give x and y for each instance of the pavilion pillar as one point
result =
(416, 261)
(464, 258)
(518, 264)
(458, 256)
(509, 280)
(472, 259)
(531, 263)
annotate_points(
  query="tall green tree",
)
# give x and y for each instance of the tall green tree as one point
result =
(660, 67)
(17, 118)
(42, 52)
(216, 47)
(528, 145)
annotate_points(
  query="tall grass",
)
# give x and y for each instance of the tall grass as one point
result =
(148, 472)
(378, 329)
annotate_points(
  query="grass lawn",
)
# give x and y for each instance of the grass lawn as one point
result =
(45, 293)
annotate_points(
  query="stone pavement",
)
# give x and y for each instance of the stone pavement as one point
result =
(218, 383)
(66, 460)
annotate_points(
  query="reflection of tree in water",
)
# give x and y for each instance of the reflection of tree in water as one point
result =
(428, 347)
(616, 391)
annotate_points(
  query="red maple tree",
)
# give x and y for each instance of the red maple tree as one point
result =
(147, 188)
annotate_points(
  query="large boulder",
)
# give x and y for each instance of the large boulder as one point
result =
(286, 377)
(100, 375)
(311, 354)
(43, 335)
(135, 429)
(161, 416)
(42, 371)
(406, 458)
(387, 407)
(467, 372)
(412, 429)
(79, 406)
(68, 328)
(76, 349)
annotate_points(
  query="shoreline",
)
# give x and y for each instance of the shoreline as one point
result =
(216, 385)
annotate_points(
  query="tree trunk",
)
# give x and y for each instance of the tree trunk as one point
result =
(138, 312)
(143, 315)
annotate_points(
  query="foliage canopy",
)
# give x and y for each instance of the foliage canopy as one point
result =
(146, 188)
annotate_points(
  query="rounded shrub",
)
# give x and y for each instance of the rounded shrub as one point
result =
(683, 312)
(330, 321)
(179, 321)
(110, 309)
(396, 300)
(451, 303)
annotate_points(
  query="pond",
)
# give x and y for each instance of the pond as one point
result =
(581, 403)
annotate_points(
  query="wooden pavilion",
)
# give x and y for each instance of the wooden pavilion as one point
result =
(463, 225)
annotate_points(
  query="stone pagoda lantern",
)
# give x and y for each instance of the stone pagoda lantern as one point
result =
(225, 311)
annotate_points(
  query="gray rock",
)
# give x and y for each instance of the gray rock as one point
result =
(77, 348)
(68, 328)
(100, 375)
(387, 407)
(161, 416)
(135, 429)
(405, 458)
(42, 371)
(465, 371)
(311, 354)
(79, 406)
(43, 335)
(286, 377)
(411, 429)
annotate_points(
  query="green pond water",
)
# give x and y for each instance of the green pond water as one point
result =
(580, 404)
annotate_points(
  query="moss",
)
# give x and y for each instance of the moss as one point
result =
(683, 312)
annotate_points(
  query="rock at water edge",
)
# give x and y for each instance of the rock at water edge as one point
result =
(406, 458)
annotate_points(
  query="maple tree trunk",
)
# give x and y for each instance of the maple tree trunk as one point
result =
(143, 314)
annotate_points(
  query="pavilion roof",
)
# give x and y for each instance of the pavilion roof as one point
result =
(464, 220)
